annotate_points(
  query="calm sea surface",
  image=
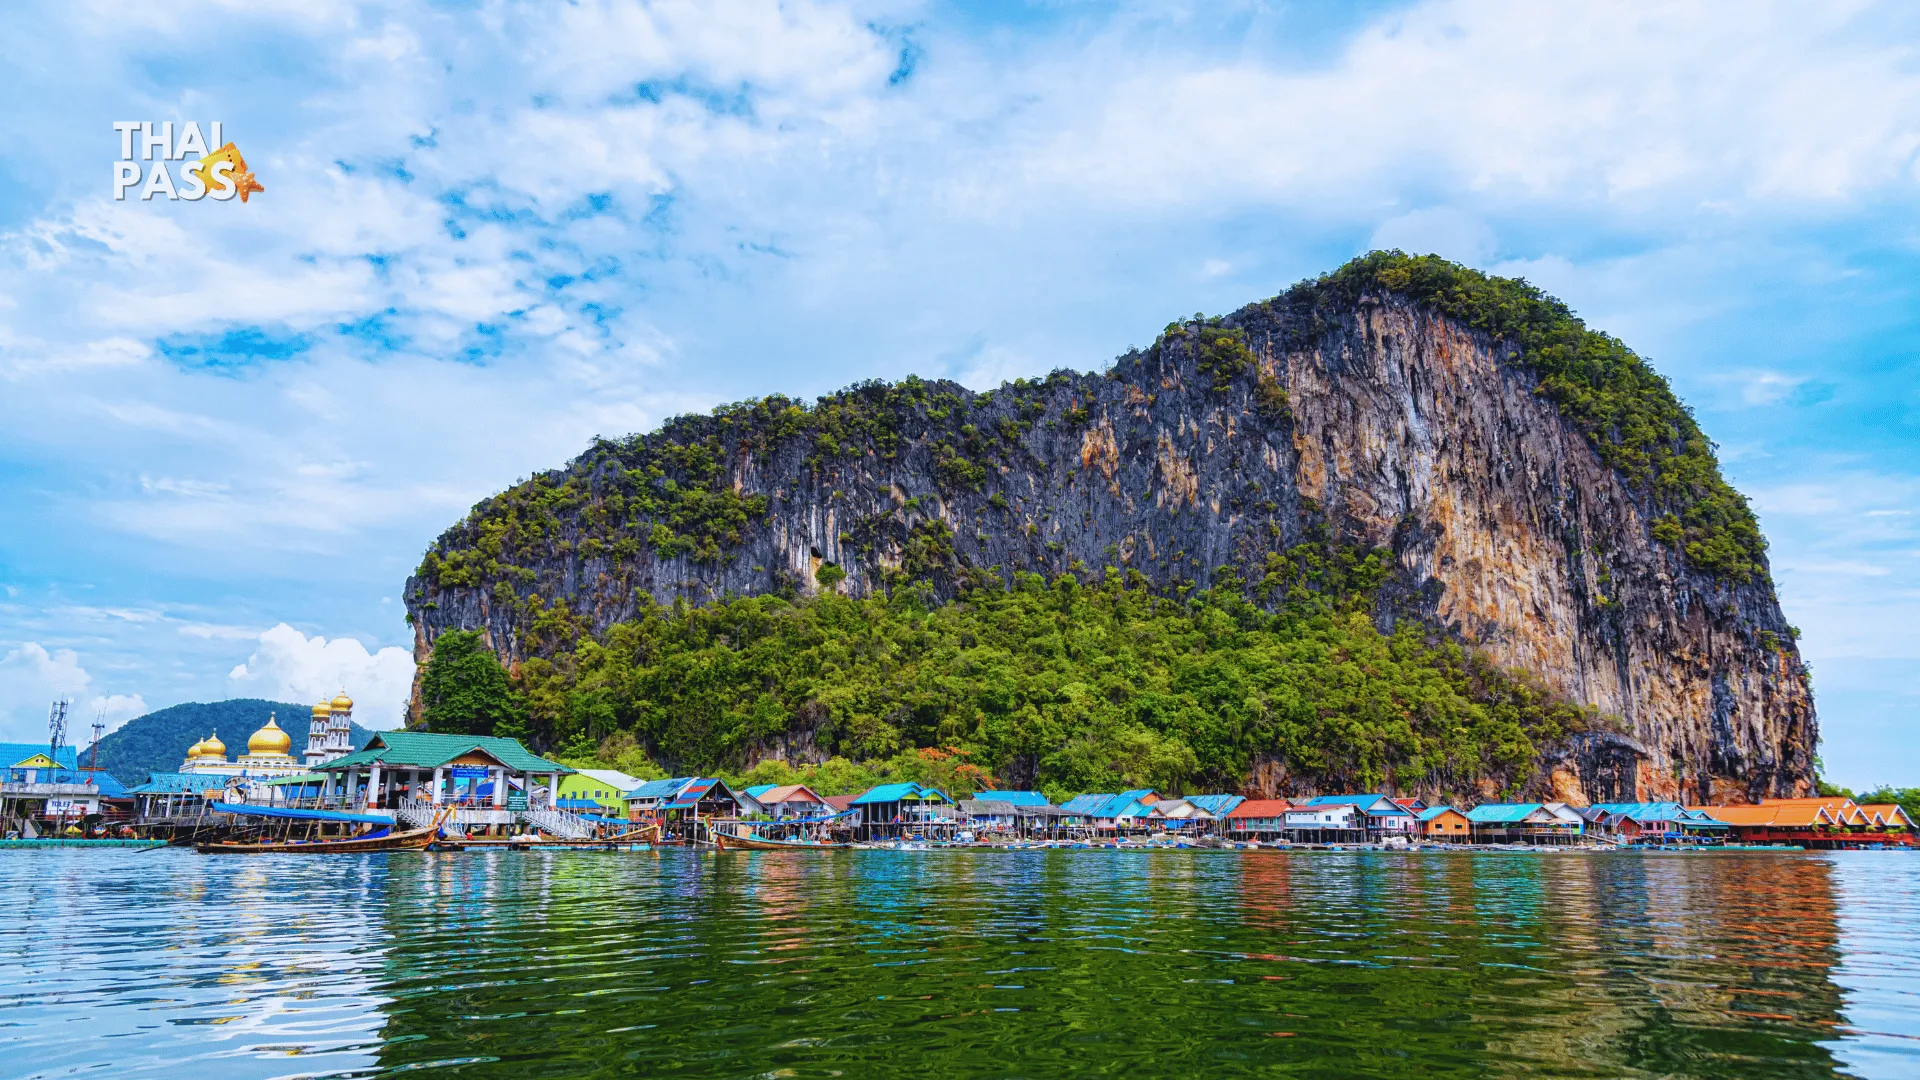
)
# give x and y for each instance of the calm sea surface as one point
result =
(953, 964)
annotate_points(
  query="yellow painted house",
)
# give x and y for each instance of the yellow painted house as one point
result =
(596, 790)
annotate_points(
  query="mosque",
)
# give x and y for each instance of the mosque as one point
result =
(270, 750)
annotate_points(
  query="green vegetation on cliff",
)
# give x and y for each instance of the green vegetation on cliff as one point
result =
(1079, 686)
(1624, 407)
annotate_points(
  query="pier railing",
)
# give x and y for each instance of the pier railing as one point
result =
(558, 822)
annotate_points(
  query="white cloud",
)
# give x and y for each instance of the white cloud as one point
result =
(290, 666)
(32, 677)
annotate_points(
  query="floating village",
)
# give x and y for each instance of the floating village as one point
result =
(421, 790)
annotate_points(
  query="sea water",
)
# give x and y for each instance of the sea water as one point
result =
(956, 964)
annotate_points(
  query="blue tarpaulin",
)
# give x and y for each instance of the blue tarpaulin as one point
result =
(296, 814)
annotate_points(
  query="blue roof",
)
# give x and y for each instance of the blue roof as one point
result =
(1017, 798)
(661, 789)
(109, 785)
(1372, 804)
(1085, 804)
(1657, 811)
(886, 793)
(1432, 812)
(1217, 805)
(21, 751)
(1502, 813)
(174, 783)
(296, 814)
(758, 790)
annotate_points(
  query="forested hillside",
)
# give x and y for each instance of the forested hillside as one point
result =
(158, 741)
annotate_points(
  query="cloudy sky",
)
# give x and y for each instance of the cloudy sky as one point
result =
(490, 232)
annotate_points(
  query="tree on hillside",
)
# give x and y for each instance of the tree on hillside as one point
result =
(465, 689)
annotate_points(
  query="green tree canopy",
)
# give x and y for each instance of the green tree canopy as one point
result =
(466, 691)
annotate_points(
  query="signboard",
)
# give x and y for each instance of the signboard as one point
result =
(516, 800)
(468, 772)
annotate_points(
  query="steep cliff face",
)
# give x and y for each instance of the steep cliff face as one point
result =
(1373, 415)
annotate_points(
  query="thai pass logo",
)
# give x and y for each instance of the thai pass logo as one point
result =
(219, 175)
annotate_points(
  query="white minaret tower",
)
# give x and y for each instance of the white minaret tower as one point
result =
(316, 754)
(330, 736)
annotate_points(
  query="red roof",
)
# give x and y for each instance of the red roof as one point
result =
(839, 802)
(1261, 808)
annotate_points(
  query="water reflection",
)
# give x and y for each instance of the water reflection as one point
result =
(963, 964)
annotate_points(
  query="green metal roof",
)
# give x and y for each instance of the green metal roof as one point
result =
(429, 750)
(303, 778)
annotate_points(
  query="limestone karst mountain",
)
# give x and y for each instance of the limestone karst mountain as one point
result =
(1534, 492)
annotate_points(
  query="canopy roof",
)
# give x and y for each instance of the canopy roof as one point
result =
(430, 750)
(296, 814)
(173, 783)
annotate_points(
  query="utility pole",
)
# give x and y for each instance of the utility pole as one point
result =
(99, 730)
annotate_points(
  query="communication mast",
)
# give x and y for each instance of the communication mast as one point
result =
(99, 729)
(57, 729)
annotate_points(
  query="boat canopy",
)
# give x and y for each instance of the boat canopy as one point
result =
(296, 813)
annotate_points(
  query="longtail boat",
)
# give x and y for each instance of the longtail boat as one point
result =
(631, 836)
(411, 840)
(749, 842)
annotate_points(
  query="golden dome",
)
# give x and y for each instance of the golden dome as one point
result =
(320, 710)
(194, 751)
(343, 703)
(213, 747)
(270, 740)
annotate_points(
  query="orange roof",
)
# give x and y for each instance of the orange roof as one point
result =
(1781, 813)
(1261, 808)
(789, 793)
(1886, 815)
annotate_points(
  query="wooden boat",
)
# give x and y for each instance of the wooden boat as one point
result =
(749, 842)
(519, 843)
(411, 840)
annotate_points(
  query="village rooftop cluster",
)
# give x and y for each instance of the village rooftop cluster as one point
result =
(487, 788)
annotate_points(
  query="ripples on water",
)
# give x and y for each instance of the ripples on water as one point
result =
(960, 964)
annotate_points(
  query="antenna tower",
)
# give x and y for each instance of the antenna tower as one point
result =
(57, 729)
(99, 729)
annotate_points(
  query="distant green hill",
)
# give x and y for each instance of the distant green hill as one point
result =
(158, 741)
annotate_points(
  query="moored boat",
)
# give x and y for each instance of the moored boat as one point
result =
(410, 840)
(749, 842)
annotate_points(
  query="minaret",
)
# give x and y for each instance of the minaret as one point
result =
(317, 734)
(339, 726)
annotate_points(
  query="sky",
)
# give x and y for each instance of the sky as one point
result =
(490, 232)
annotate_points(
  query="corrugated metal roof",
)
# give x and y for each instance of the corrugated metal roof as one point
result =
(1377, 804)
(661, 789)
(1502, 813)
(903, 792)
(173, 783)
(1260, 808)
(1217, 805)
(1432, 812)
(12, 752)
(1017, 798)
(429, 750)
(1086, 804)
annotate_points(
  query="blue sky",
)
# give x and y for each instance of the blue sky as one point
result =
(490, 232)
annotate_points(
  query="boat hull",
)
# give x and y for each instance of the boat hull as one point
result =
(736, 842)
(412, 840)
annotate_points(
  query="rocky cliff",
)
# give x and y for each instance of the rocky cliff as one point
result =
(1544, 498)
